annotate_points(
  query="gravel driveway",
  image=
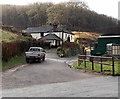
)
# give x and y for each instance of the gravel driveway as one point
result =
(55, 73)
(52, 70)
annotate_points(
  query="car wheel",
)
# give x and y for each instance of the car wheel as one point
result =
(40, 60)
(27, 60)
(43, 58)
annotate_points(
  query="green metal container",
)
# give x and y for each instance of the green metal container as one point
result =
(102, 44)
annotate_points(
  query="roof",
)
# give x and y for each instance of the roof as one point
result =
(113, 44)
(51, 37)
(45, 29)
(64, 30)
(38, 29)
(112, 36)
(37, 47)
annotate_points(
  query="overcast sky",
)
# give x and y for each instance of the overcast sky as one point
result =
(107, 7)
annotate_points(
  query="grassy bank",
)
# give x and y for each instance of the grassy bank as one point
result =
(14, 61)
(8, 36)
(97, 67)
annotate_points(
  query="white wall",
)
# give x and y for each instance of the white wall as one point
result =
(46, 34)
(65, 36)
(59, 34)
(69, 35)
(36, 35)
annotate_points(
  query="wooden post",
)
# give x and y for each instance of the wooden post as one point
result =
(78, 61)
(85, 65)
(92, 63)
(101, 64)
(113, 68)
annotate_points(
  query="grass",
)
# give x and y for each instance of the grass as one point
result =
(8, 36)
(97, 67)
(14, 61)
(87, 35)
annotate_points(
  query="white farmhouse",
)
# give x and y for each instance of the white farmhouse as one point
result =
(51, 34)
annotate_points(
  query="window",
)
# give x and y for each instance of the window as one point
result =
(34, 49)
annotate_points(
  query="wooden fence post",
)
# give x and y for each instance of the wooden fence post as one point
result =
(113, 68)
(78, 61)
(101, 64)
(85, 60)
(92, 63)
(85, 64)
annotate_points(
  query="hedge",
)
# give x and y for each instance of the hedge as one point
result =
(18, 47)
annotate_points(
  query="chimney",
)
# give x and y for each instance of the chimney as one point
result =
(55, 27)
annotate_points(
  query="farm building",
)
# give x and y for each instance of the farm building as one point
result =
(107, 44)
(50, 33)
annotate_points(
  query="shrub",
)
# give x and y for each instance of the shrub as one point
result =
(60, 52)
(68, 49)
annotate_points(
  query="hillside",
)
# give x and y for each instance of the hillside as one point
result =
(86, 37)
(8, 36)
(70, 16)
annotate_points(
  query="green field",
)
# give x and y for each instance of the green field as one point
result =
(97, 67)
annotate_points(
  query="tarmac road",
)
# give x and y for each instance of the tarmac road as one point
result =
(54, 78)
(92, 87)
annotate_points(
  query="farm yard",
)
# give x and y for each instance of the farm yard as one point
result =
(38, 79)
(56, 49)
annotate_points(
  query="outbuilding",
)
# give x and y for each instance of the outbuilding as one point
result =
(102, 45)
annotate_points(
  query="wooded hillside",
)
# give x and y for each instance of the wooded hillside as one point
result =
(72, 16)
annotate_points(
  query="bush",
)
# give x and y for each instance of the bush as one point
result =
(60, 52)
(68, 49)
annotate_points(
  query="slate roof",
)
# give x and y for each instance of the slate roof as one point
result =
(111, 34)
(38, 29)
(51, 37)
(45, 29)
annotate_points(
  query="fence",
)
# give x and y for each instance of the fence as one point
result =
(97, 59)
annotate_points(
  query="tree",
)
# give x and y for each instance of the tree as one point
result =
(74, 16)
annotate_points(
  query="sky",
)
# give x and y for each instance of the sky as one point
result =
(107, 7)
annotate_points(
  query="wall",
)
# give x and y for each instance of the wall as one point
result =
(59, 34)
(36, 35)
(65, 36)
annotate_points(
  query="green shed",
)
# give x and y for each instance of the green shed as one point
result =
(100, 47)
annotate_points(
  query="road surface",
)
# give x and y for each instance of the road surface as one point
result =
(92, 87)
(54, 78)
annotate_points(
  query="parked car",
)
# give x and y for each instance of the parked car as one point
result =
(35, 54)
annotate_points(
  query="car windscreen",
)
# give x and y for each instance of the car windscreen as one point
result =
(34, 49)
